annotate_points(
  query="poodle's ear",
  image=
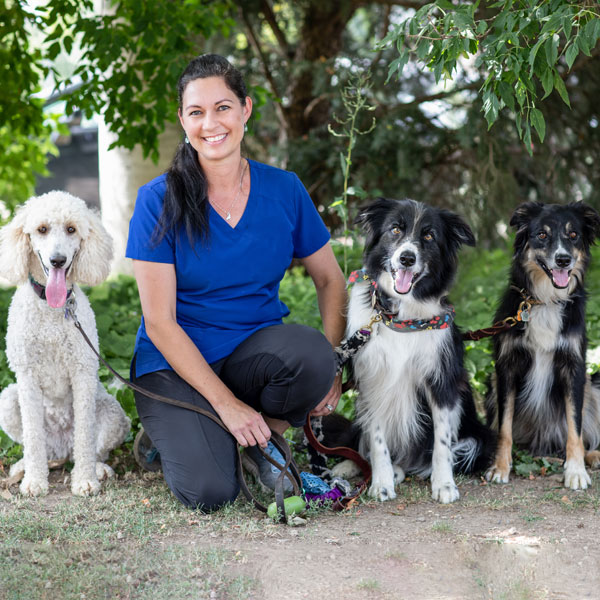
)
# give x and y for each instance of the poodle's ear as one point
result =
(15, 250)
(92, 263)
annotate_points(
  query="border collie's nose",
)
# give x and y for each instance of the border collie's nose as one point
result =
(408, 258)
(562, 261)
(58, 261)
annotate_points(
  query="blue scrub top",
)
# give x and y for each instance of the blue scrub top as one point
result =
(228, 287)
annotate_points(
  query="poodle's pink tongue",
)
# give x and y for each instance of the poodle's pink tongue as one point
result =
(56, 288)
(561, 277)
(403, 281)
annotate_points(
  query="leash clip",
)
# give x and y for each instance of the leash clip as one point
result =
(70, 308)
(374, 319)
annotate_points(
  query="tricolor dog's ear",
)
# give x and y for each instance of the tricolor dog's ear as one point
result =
(457, 229)
(590, 219)
(15, 249)
(520, 220)
(372, 217)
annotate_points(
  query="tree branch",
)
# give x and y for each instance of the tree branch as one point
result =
(403, 3)
(384, 28)
(272, 21)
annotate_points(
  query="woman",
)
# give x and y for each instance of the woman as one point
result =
(210, 241)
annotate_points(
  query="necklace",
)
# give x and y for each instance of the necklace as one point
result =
(228, 211)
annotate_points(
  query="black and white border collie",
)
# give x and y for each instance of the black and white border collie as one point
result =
(415, 409)
(541, 397)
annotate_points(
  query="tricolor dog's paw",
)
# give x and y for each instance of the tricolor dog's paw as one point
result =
(33, 486)
(497, 474)
(576, 477)
(382, 491)
(445, 493)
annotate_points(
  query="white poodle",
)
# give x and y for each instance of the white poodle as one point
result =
(58, 409)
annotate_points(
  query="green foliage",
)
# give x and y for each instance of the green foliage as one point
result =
(517, 44)
(354, 99)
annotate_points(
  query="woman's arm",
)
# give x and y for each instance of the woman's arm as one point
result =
(330, 284)
(157, 288)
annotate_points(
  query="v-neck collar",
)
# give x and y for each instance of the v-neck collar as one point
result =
(218, 220)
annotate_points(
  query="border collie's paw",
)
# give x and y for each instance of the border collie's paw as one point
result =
(33, 486)
(445, 493)
(103, 471)
(592, 459)
(497, 474)
(399, 474)
(382, 491)
(576, 477)
(345, 469)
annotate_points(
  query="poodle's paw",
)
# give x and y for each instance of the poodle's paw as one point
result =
(103, 471)
(33, 486)
(399, 474)
(382, 490)
(84, 487)
(345, 469)
(497, 473)
(576, 477)
(17, 470)
(445, 493)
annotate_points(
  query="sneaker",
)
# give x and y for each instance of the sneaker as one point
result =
(264, 472)
(146, 455)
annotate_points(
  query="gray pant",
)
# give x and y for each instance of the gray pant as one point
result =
(282, 371)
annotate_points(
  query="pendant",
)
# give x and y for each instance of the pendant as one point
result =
(228, 217)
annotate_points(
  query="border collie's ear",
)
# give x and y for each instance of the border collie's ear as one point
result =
(524, 213)
(371, 217)
(590, 218)
(458, 230)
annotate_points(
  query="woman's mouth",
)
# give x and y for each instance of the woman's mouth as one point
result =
(213, 139)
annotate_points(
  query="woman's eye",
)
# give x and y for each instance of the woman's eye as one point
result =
(542, 235)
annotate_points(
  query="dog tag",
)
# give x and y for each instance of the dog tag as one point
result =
(524, 314)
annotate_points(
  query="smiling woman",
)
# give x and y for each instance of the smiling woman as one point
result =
(211, 241)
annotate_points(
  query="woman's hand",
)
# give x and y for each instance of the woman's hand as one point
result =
(328, 404)
(246, 425)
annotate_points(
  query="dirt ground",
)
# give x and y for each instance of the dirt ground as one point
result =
(528, 539)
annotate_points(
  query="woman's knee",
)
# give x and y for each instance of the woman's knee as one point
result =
(204, 495)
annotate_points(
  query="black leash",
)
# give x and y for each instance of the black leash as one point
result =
(289, 469)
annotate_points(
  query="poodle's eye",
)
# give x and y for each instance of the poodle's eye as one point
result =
(42, 229)
(542, 235)
(396, 230)
(71, 229)
(573, 235)
(428, 237)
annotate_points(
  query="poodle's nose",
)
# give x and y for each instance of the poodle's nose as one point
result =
(58, 261)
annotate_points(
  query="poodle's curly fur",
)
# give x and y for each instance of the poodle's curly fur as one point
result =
(58, 409)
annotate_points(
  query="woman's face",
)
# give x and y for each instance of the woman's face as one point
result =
(213, 118)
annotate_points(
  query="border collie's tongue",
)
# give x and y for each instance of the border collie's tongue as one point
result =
(560, 277)
(403, 281)
(56, 288)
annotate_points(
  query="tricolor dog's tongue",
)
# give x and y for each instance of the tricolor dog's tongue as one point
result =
(56, 288)
(403, 281)
(560, 277)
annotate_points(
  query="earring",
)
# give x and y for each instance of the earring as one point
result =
(245, 127)
(187, 141)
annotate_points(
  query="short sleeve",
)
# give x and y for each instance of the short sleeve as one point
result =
(310, 233)
(147, 211)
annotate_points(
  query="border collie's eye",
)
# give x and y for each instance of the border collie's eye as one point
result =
(573, 235)
(71, 229)
(396, 230)
(428, 237)
(542, 235)
(42, 229)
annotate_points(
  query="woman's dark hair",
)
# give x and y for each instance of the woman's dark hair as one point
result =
(186, 199)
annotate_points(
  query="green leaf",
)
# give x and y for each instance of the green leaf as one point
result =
(506, 93)
(537, 120)
(571, 54)
(559, 84)
(548, 81)
(551, 47)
